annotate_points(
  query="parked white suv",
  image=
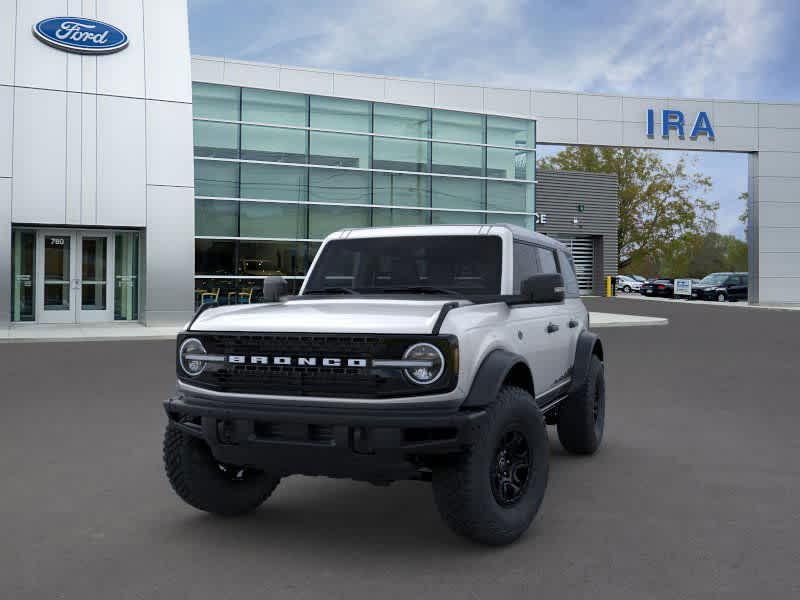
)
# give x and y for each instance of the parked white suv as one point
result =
(628, 284)
(435, 353)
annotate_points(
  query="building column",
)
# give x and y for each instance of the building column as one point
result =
(774, 227)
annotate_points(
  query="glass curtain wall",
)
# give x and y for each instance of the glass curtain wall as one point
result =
(275, 172)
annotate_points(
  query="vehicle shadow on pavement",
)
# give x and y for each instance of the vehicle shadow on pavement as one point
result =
(341, 516)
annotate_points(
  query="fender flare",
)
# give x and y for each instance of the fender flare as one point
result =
(588, 345)
(490, 377)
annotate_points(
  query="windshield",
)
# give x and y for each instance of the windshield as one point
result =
(714, 279)
(468, 264)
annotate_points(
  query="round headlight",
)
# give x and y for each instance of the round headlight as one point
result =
(431, 363)
(190, 355)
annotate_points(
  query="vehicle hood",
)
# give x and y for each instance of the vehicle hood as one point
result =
(362, 315)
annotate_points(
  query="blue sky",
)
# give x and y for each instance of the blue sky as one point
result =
(740, 49)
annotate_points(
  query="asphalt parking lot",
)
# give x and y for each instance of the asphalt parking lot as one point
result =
(693, 495)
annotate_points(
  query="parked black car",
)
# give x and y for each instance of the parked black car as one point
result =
(663, 288)
(721, 287)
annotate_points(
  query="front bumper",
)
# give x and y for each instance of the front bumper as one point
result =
(369, 444)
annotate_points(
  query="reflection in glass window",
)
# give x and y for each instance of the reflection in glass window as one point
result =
(507, 131)
(451, 217)
(400, 189)
(216, 217)
(216, 178)
(323, 220)
(215, 101)
(337, 113)
(508, 195)
(220, 140)
(273, 182)
(273, 144)
(23, 261)
(457, 126)
(547, 260)
(339, 150)
(453, 192)
(280, 108)
(400, 155)
(339, 185)
(386, 217)
(214, 257)
(271, 258)
(509, 164)
(406, 121)
(268, 220)
(457, 159)
(526, 264)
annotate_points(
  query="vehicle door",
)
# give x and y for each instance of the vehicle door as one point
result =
(745, 290)
(740, 287)
(576, 310)
(540, 332)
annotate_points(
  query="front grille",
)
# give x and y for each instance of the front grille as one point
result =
(294, 380)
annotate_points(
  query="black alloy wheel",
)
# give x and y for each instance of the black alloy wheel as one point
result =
(511, 469)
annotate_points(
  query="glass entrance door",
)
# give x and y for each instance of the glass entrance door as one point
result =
(73, 274)
(55, 274)
(94, 302)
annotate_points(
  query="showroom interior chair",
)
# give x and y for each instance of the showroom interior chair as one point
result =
(209, 297)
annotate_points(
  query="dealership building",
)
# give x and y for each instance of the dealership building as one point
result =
(137, 181)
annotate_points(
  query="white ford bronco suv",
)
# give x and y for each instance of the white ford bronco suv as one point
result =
(435, 353)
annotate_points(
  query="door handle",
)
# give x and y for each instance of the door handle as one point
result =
(552, 328)
(573, 323)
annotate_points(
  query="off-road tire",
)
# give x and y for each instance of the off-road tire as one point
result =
(463, 485)
(581, 418)
(205, 484)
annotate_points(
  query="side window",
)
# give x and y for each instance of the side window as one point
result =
(568, 271)
(525, 263)
(547, 260)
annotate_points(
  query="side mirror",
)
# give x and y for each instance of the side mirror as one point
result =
(274, 287)
(543, 287)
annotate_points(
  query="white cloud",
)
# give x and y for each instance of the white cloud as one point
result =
(687, 47)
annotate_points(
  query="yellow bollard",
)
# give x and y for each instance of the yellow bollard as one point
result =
(608, 287)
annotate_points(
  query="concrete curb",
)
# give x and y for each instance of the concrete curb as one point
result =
(599, 320)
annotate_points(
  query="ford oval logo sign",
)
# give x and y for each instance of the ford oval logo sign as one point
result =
(76, 34)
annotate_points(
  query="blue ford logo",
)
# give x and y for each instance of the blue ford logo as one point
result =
(76, 34)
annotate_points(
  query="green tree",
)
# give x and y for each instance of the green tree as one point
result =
(659, 202)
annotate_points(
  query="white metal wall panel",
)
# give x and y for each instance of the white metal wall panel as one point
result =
(122, 73)
(242, 73)
(169, 144)
(88, 159)
(169, 254)
(74, 159)
(166, 39)
(36, 64)
(6, 127)
(5, 250)
(121, 166)
(39, 156)
(8, 24)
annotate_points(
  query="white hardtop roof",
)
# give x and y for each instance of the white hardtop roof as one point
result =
(519, 233)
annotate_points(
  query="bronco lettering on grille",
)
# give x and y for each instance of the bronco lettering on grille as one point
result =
(298, 361)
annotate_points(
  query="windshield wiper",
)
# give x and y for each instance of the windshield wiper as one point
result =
(331, 290)
(419, 289)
